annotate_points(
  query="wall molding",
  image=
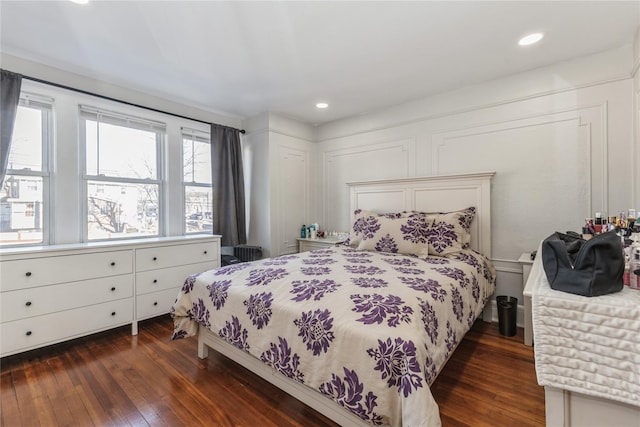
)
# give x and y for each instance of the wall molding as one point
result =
(286, 245)
(479, 107)
(440, 138)
(577, 128)
(258, 131)
(604, 151)
(406, 144)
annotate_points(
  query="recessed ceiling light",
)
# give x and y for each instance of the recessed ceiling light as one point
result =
(322, 105)
(530, 39)
(79, 1)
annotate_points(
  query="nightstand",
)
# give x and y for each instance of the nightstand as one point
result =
(526, 262)
(305, 245)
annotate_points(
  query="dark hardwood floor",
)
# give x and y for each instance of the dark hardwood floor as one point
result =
(113, 378)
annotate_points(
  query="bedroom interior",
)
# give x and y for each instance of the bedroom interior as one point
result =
(556, 124)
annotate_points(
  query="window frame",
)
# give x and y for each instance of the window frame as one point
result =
(121, 119)
(46, 106)
(195, 136)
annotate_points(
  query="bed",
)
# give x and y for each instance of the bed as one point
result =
(357, 332)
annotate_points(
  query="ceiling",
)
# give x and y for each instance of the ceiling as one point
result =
(245, 58)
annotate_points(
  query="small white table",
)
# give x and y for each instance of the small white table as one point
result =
(526, 262)
(305, 245)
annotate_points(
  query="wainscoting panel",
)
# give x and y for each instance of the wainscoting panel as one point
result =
(550, 169)
(559, 155)
(292, 196)
(392, 159)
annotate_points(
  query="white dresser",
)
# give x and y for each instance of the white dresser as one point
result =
(50, 294)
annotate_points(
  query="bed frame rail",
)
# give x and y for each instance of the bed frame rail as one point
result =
(307, 395)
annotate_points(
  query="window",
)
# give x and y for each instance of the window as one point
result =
(198, 196)
(123, 174)
(24, 193)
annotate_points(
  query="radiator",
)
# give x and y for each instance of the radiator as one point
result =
(247, 253)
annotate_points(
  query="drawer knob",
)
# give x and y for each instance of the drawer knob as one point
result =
(113, 288)
(28, 274)
(205, 252)
(113, 313)
(28, 333)
(155, 258)
(28, 303)
(155, 303)
(112, 264)
(155, 280)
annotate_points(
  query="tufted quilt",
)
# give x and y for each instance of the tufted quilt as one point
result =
(587, 345)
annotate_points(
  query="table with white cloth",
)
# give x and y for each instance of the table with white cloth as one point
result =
(587, 353)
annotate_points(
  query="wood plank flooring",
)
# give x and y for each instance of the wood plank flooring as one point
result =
(113, 378)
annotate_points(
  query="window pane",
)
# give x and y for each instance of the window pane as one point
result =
(122, 210)
(197, 161)
(21, 210)
(120, 151)
(197, 208)
(26, 145)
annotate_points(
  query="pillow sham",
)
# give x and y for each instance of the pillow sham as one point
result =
(364, 224)
(397, 234)
(450, 231)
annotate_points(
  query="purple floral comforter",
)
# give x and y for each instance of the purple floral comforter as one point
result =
(369, 330)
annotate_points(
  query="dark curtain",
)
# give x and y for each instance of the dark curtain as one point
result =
(227, 181)
(9, 97)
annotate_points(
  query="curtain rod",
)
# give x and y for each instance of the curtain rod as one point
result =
(61, 86)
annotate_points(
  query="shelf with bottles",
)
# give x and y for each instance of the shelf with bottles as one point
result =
(624, 224)
(627, 226)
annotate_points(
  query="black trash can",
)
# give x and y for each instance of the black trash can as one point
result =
(507, 314)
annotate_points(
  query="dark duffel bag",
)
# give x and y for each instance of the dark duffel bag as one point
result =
(584, 267)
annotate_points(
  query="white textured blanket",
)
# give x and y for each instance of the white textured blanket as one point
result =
(586, 345)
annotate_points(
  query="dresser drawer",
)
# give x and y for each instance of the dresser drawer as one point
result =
(155, 304)
(31, 272)
(171, 256)
(25, 334)
(168, 278)
(50, 299)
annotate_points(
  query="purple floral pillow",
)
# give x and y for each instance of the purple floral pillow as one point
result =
(451, 231)
(397, 234)
(364, 224)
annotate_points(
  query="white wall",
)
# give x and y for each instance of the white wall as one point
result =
(55, 75)
(257, 184)
(278, 155)
(559, 138)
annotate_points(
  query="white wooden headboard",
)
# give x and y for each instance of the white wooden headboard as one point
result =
(443, 193)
